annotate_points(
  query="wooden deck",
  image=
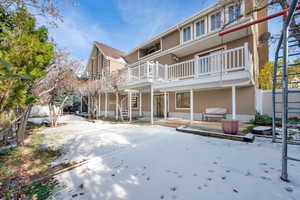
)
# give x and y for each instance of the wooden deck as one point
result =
(205, 125)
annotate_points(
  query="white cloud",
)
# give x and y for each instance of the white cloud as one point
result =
(77, 33)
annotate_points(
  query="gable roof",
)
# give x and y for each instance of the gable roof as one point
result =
(109, 51)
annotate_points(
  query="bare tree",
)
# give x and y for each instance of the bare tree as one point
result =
(60, 81)
(45, 8)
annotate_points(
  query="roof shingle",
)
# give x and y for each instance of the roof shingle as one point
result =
(109, 51)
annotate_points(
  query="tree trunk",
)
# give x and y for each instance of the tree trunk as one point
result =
(61, 106)
(51, 113)
(22, 127)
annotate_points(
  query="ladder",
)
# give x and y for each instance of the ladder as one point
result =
(123, 106)
(286, 73)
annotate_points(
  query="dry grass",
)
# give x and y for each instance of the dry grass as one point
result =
(20, 165)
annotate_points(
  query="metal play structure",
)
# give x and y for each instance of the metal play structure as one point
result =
(283, 107)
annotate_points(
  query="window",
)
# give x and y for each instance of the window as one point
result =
(234, 12)
(183, 100)
(187, 34)
(215, 21)
(200, 28)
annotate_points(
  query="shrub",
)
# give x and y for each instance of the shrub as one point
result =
(261, 119)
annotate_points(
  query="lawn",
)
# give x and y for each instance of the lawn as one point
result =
(153, 162)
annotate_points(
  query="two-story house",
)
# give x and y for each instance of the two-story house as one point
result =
(190, 67)
(104, 60)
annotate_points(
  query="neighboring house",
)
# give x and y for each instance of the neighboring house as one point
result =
(104, 60)
(190, 67)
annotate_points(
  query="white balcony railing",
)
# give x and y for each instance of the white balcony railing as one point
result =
(222, 62)
(147, 71)
(236, 59)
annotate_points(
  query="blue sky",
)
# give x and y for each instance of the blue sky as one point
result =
(122, 24)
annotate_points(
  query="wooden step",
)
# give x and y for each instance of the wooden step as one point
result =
(242, 138)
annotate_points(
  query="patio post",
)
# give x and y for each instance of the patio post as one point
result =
(81, 106)
(192, 105)
(99, 105)
(151, 95)
(233, 102)
(105, 114)
(117, 105)
(165, 105)
(130, 106)
(140, 104)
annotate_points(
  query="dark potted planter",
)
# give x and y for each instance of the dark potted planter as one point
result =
(230, 126)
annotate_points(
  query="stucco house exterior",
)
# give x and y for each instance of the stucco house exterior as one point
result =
(189, 68)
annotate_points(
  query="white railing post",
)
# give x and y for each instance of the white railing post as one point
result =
(148, 69)
(152, 106)
(140, 104)
(130, 105)
(247, 57)
(140, 77)
(165, 105)
(156, 75)
(105, 114)
(196, 67)
(99, 105)
(166, 72)
(129, 74)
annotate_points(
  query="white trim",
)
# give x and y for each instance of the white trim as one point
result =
(205, 27)
(207, 36)
(119, 60)
(223, 47)
(151, 54)
(242, 11)
(222, 20)
(176, 101)
(182, 36)
(184, 22)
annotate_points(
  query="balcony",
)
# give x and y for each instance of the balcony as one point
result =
(146, 73)
(223, 65)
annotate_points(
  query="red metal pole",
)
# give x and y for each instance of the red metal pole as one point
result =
(280, 13)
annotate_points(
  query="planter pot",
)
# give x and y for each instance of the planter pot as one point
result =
(230, 126)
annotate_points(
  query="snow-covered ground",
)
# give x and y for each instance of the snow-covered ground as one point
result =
(153, 162)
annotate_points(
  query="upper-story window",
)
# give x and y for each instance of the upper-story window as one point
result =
(187, 34)
(215, 21)
(200, 28)
(234, 12)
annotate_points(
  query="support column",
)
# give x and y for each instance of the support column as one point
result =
(165, 105)
(89, 105)
(105, 114)
(151, 95)
(81, 102)
(192, 105)
(99, 104)
(141, 105)
(117, 105)
(233, 102)
(130, 106)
